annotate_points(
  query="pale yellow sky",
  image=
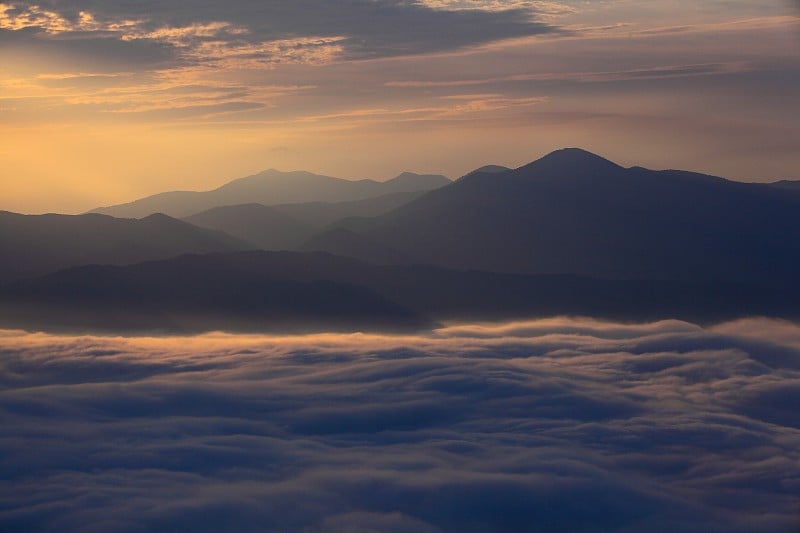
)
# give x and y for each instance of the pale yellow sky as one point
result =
(101, 107)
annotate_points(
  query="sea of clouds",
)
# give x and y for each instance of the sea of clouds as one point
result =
(548, 425)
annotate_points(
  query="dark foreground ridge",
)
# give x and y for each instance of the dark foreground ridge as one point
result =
(289, 291)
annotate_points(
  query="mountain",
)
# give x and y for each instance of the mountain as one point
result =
(196, 293)
(487, 169)
(289, 226)
(321, 214)
(412, 182)
(788, 185)
(353, 244)
(288, 291)
(265, 227)
(32, 245)
(573, 212)
(273, 187)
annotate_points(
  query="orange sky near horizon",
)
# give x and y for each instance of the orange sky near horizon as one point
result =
(103, 104)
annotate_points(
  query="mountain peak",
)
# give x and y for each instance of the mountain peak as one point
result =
(574, 159)
(491, 169)
(159, 218)
(411, 181)
(486, 169)
(405, 175)
(413, 177)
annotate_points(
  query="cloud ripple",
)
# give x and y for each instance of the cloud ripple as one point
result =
(557, 424)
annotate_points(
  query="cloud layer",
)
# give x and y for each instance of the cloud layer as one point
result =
(550, 425)
(205, 31)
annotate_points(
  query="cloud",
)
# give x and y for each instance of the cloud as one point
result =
(95, 60)
(655, 73)
(559, 424)
(208, 31)
(457, 107)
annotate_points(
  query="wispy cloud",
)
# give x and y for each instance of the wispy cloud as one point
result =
(539, 7)
(663, 72)
(460, 106)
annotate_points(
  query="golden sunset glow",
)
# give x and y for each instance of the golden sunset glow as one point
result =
(104, 103)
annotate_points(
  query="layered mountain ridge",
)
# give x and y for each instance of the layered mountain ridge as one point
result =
(288, 291)
(577, 213)
(272, 187)
(570, 233)
(33, 245)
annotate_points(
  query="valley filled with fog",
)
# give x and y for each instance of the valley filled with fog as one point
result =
(548, 425)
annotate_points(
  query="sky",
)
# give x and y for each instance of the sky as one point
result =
(547, 425)
(105, 102)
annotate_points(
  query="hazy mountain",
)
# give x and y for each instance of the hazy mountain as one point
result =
(411, 182)
(273, 187)
(353, 244)
(262, 291)
(575, 212)
(265, 227)
(289, 226)
(321, 214)
(31, 245)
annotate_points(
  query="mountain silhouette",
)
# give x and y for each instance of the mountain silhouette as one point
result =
(32, 245)
(570, 233)
(289, 291)
(272, 187)
(573, 212)
(265, 227)
(289, 226)
(487, 169)
(192, 294)
(322, 214)
(353, 244)
(789, 185)
(411, 182)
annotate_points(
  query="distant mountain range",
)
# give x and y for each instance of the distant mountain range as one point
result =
(322, 214)
(290, 226)
(265, 227)
(575, 212)
(289, 291)
(273, 187)
(570, 233)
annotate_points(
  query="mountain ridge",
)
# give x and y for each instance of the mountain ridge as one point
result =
(271, 187)
(569, 212)
(291, 291)
(33, 245)
(263, 226)
(574, 212)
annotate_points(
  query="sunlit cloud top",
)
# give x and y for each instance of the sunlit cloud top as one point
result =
(561, 421)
